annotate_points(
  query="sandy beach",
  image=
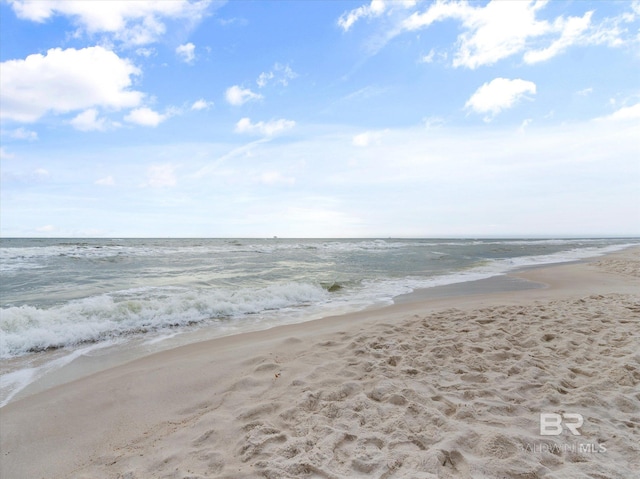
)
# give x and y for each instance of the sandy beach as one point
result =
(435, 386)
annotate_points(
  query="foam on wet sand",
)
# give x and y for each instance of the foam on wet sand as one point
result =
(450, 387)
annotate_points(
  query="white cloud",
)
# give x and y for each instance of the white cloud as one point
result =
(613, 32)
(237, 96)
(201, 104)
(585, 91)
(22, 134)
(106, 181)
(88, 121)
(145, 52)
(571, 30)
(493, 32)
(269, 128)
(374, 9)
(428, 58)
(497, 31)
(186, 52)
(264, 78)
(276, 178)
(525, 123)
(5, 155)
(161, 176)
(46, 229)
(499, 94)
(626, 113)
(280, 74)
(433, 122)
(368, 138)
(500, 29)
(66, 80)
(146, 117)
(132, 22)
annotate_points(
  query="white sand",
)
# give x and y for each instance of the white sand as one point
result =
(444, 388)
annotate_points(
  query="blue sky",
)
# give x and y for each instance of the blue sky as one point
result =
(319, 118)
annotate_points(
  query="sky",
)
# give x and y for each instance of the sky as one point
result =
(319, 118)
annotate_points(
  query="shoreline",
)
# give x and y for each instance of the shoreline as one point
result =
(159, 395)
(60, 368)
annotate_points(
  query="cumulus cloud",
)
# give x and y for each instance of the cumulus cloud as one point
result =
(66, 80)
(186, 52)
(498, 95)
(131, 22)
(374, 9)
(146, 117)
(269, 128)
(201, 104)
(237, 96)
(88, 121)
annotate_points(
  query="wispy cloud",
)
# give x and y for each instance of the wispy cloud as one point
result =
(269, 128)
(585, 91)
(498, 29)
(279, 74)
(21, 134)
(161, 176)
(273, 178)
(374, 9)
(428, 58)
(571, 31)
(106, 181)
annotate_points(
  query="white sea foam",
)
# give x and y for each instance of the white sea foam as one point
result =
(12, 383)
(29, 329)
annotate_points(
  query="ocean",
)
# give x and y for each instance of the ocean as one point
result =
(62, 299)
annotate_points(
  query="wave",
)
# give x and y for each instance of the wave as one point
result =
(15, 256)
(96, 318)
(28, 329)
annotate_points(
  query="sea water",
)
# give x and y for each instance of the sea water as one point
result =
(73, 297)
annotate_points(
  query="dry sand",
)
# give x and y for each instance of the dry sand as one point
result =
(449, 388)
